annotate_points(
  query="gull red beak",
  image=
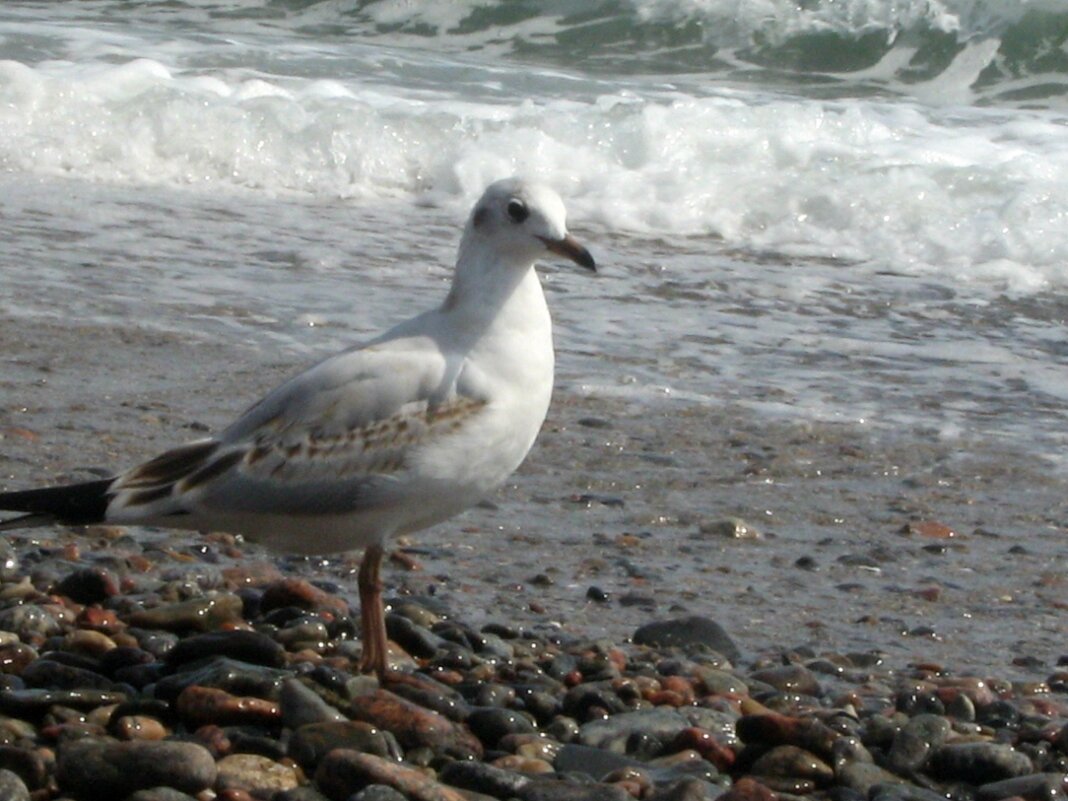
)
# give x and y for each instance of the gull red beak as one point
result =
(570, 248)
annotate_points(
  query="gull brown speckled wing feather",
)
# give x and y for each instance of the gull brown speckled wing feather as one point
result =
(332, 454)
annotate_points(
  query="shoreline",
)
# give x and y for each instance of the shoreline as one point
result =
(614, 515)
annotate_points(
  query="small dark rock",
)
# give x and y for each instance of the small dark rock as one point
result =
(88, 585)
(250, 647)
(693, 632)
(978, 763)
(483, 778)
(378, 792)
(490, 724)
(1033, 787)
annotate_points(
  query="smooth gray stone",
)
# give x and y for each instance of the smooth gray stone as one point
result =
(692, 632)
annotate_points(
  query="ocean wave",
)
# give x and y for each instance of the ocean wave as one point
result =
(988, 52)
(984, 51)
(972, 193)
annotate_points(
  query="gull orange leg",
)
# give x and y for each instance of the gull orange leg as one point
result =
(372, 613)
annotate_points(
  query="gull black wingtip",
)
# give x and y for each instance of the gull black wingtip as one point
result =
(72, 505)
(571, 248)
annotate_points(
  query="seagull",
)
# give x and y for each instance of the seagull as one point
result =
(378, 441)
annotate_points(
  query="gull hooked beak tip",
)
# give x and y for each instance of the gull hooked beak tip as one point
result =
(570, 248)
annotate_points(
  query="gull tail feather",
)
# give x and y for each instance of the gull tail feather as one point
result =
(72, 505)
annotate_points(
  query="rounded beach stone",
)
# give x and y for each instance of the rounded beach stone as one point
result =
(251, 647)
(490, 724)
(686, 633)
(784, 761)
(414, 726)
(560, 790)
(160, 794)
(790, 679)
(344, 772)
(93, 769)
(198, 706)
(482, 778)
(87, 585)
(257, 774)
(196, 614)
(978, 763)
(310, 743)
(12, 788)
(378, 792)
(301, 706)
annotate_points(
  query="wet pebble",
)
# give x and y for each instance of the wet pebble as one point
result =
(415, 726)
(243, 646)
(256, 774)
(688, 633)
(12, 788)
(302, 594)
(1032, 787)
(343, 771)
(490, 724)
(198, 706)
(482, 778)
(788, 762)
(310, 743)
(88, 585)
(979, 763)
(196, 614)
(94, 769)
(300, 705)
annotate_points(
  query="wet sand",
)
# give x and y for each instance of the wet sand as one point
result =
(611, 522)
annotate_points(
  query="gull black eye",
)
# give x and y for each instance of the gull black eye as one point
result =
(518, 210)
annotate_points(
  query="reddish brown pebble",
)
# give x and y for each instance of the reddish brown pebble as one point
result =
(405, 560)
(97, 619)
(776, 729)
(16, 432)
(214, 739)
(450, 678)
(138, 727)
(668, 698)
(704, 743)
(251, 574)
(931, 594)
(414, 726)
(928, 528)
(198, 706)
(303, 595)
(522, 764)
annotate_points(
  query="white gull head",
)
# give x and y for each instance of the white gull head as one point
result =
(515, 222)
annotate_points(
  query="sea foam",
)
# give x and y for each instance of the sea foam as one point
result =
(901, 186)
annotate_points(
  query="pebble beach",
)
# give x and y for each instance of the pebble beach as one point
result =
(168, 670)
